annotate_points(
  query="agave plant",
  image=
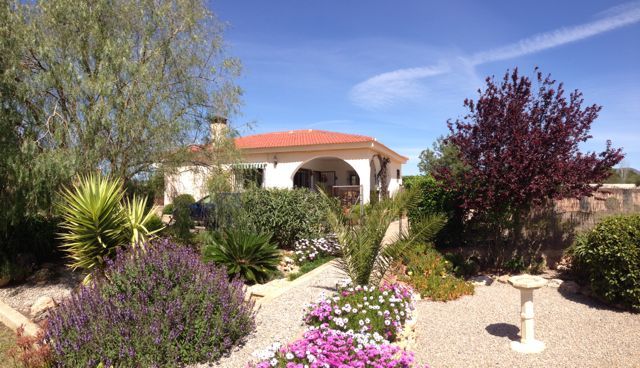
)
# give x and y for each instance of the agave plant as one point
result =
(250, 255)
(138, 220)
(96, 221)
(367, 255)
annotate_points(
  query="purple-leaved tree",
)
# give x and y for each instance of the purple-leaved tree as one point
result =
(519, 144)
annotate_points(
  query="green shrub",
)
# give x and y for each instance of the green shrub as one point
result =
(182, 216)
(608, 258)
(5, 270)
(431, 275)
(155, 223)
(16, 267)
(96, 221)
(168, 209)
(463, 266)
(36, 236)
(515, 264)
(252, 256)
(288, 214)
(434, 198)
(139, 220)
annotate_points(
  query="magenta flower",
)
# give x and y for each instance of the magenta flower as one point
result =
(324, 347)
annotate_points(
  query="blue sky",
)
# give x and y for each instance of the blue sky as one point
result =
(397, 70)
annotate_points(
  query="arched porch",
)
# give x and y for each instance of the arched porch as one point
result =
(333, 175)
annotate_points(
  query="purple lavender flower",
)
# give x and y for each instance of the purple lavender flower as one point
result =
(159, 307)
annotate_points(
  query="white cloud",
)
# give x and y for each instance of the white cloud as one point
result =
(386, 89)
(623, 16)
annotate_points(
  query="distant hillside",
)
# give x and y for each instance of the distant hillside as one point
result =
(626, 175)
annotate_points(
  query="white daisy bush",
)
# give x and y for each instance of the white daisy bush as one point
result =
(307, 250)
(378, 312)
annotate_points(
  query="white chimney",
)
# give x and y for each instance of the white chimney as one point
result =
(219, 129)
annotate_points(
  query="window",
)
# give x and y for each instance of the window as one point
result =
(302, 179)
(250, 177)
(354, 179)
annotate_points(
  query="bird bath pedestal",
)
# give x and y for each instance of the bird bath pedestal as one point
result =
(527, 284)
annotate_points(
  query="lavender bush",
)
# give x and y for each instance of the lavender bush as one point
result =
(159, 308)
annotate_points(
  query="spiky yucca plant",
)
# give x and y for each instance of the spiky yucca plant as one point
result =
(93, 224)
(243, 253)
(138, 219)
(96, 221)
(366, 254)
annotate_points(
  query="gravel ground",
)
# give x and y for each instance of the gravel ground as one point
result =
(281, 318)
(52, 280)
(475, 331)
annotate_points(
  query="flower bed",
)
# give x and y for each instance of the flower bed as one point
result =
(379, 312)
(325, 347)
(307, 250)
(361, 326)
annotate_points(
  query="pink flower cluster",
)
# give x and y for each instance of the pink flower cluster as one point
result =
(379, 312)
(325, 347)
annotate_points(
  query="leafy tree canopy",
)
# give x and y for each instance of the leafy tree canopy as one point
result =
(441, 155)
(520, 145)
(112, 86)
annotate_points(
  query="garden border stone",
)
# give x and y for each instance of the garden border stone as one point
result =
(14, 320)
(266, 292)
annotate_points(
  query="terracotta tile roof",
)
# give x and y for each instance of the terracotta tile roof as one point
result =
(294, 138)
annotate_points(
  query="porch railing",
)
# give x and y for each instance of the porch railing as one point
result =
(348, 195)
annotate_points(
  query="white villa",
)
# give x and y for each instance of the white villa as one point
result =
(352, 167)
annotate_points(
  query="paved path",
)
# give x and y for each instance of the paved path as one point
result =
(394, 229)
(280, 319)
(475, 331)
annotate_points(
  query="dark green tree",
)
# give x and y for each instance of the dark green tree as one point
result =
(441, 155)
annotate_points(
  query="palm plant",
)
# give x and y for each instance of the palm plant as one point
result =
(96, 222)
(250, 255)
(367, 255)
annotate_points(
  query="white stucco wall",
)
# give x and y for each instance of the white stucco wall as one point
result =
(394, 182)
(192, 181)
(187, 180)
(281, 175)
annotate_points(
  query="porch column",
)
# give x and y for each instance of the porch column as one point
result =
(363, 169)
